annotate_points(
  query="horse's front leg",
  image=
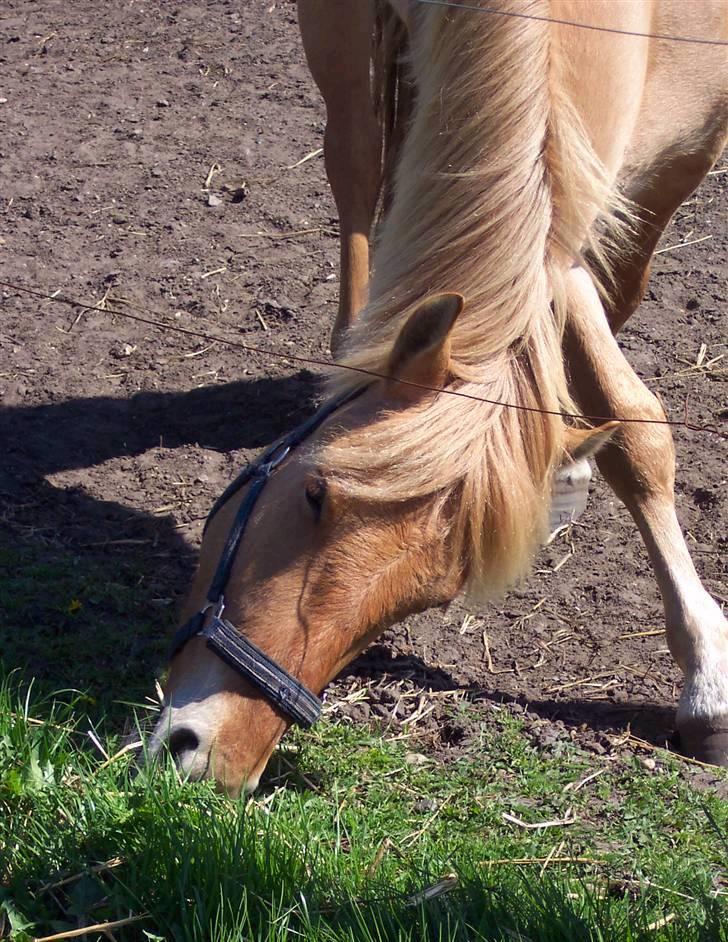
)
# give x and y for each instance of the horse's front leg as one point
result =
(337, 38)
(639, 465)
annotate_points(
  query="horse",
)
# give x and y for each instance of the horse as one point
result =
(520, 162)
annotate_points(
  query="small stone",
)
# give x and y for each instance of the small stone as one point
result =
(415, 758)
(360, 712)
(162, 103)
(213, 200)
(125, 350)
(425, 805)
(649, 764)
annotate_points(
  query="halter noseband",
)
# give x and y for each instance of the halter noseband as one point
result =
(281, 688)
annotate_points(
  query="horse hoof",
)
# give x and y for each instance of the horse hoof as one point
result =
(705, 740)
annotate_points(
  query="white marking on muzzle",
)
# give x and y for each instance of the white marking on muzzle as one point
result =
(196, 705)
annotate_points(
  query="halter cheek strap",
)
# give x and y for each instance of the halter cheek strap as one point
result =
(281, 688)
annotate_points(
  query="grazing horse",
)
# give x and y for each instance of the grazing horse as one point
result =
(523, 170)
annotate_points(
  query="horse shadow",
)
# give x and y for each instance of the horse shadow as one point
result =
(652, 722)
(80, 433)
(88, 585)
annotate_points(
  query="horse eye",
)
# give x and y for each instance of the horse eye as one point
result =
(315, 494)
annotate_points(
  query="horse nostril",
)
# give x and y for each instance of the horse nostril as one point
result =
(183, 740)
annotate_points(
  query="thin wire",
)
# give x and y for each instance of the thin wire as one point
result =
(600, 29)
(312, 361)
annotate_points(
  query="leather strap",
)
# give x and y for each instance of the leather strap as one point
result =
(227, 557)
(193, 626)
(281, 688)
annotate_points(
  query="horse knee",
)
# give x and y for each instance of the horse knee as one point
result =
(640, 460)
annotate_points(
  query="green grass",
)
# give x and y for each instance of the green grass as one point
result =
(348, 829)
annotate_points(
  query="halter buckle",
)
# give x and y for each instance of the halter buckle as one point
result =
(218, 608)
(280, 454)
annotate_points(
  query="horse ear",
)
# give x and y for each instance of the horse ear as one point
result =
(584, 442)
(421, 353)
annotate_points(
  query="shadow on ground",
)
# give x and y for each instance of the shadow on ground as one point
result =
(88, 587)
(649, 721)
(79, 433)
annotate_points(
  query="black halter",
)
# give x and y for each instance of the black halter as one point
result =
(287, 693)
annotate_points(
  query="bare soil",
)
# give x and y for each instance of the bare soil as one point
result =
(150, 152)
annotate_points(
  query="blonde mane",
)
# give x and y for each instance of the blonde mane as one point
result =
(494, 195)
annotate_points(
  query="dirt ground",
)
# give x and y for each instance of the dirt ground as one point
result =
(152, 152)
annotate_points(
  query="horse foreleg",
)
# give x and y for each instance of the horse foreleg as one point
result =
(639, 465)
(337, 38)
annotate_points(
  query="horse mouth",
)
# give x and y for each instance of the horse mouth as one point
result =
(193, 753)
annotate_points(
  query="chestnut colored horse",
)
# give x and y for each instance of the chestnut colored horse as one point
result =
(504, 151)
